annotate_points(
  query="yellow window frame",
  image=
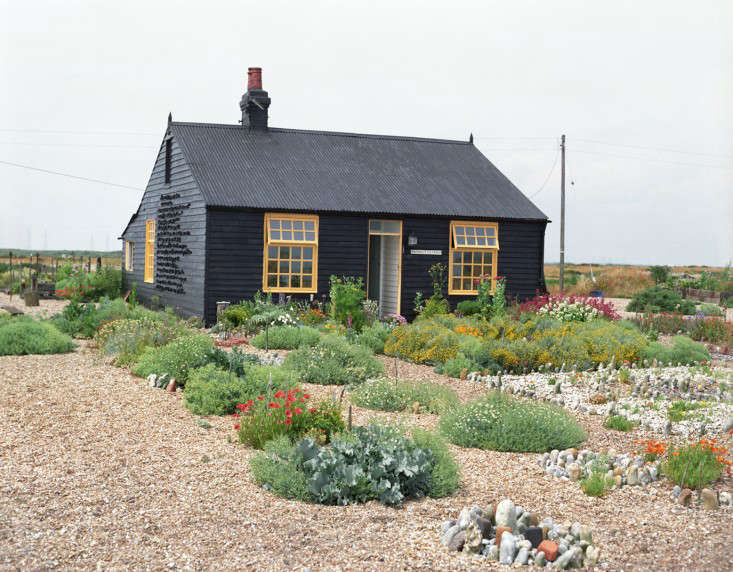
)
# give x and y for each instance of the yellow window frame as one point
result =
(303, 234)
(149, 250)
(129, 255)
(479, 254)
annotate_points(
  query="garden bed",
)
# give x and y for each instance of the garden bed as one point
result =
(99, 470)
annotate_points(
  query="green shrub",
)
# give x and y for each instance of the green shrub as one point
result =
(347, 294)
(22, 336)
(446, 474)
(660, 274)
(176, 358)
(454, 367)
(387, 394)
(272, 470)
(89, 286)
(501, 423)
(436, 305)
(128, 338)
(288, 413)
(468, 307)
(659, 299)
(710, 309)
(619, 423)
(235, 361)
(334, 361)
(683, 350)
(596, 484)
(286, 337)
(423, 341)
(213, 391)
(374, 337)
(373, 462)
(689, 458)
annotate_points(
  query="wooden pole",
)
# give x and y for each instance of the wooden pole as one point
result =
(562, 215)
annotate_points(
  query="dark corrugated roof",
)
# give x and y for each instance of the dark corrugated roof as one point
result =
(325, 171)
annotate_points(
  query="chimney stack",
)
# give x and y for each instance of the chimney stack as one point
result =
(255, 102)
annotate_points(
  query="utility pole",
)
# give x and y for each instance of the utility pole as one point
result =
(562, 215)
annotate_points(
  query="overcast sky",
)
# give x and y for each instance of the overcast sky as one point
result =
(643, 91)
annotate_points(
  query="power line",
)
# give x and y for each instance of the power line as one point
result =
(77, 145)
(70, 176)
(665, 149)
(552, 170)
(652, 159)
(12, 130)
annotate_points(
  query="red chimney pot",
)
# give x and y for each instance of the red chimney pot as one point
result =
(254, 78)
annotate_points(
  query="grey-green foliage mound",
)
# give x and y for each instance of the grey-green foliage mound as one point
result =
(214, 391)
(498, 422)
(372, 462)
(22, 336)
(389, 394)
(334, 361)
(286, 337)
(176, 358)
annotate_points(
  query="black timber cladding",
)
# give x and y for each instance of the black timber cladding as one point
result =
(234, 249)
(174, 271)
(341, 172)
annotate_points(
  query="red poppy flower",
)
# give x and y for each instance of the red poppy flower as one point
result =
(288, 422)
(312, 410)
(236, 427)
(307, 395)
(298, 410)
(274, 405)
(288, 413)
(280, 394)
(260, 397)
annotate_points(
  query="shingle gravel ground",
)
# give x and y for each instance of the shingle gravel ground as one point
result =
(98, 471)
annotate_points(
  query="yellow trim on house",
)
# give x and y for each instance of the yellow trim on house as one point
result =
(473, 253)
(129, 255)
(149, 250)
(290, 253)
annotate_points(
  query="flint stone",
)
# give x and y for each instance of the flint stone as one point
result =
(725, 499)
(446, 525)
(508, 548)
(574, 471)
(586, 534)
(563, 561)
(710, 499)
(457, 541)
(534, 535)
(592, 555)
(522, 557)
(493, 552)
(449, 534)
(506, 514)
(472, 539)
(685, 498)
(484, 525)
(540, 560)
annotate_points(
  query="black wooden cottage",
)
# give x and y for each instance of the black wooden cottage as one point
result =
(233, 209)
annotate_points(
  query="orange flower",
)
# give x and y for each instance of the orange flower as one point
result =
(676, 453)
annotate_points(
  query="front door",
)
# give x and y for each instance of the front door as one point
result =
(384, 275)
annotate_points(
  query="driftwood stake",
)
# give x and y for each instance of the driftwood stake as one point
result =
(699, 482)
(349, 418)
(684, 474)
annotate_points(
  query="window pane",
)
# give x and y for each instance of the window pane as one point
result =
(308, 254)
(295, 252)
(274, 223)
(457, 256)
(307, 267)
(492, 241)
(272, 266)
(490, 231)
(271, 280)
(287, 235)
(274, 235)
(295, 267)
(457, 270)
(481, 241)
(298, 235)
(285, 252)
(460, 240)
(467, 257)
(286, 225)
(391, 226)
(477, 270)
(295, 281)
(375, 225)
(471, 240)
(459, 230)
(469, 231)
(467, 284)
(307, 281)
(272, 252)
(298, 225)
(284, 281)
(310, 225)
(480, 231)
(456, 283)
(310, 236)
(284, 267)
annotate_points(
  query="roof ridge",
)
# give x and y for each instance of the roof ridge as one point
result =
(330, 133)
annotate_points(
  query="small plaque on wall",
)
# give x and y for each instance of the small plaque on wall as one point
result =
(427, 252)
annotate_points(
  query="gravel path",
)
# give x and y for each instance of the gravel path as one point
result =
(99, 471)
(46, 309)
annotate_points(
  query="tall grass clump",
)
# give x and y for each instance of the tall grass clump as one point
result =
(682, 350)
(389, 394)
(498, 422)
